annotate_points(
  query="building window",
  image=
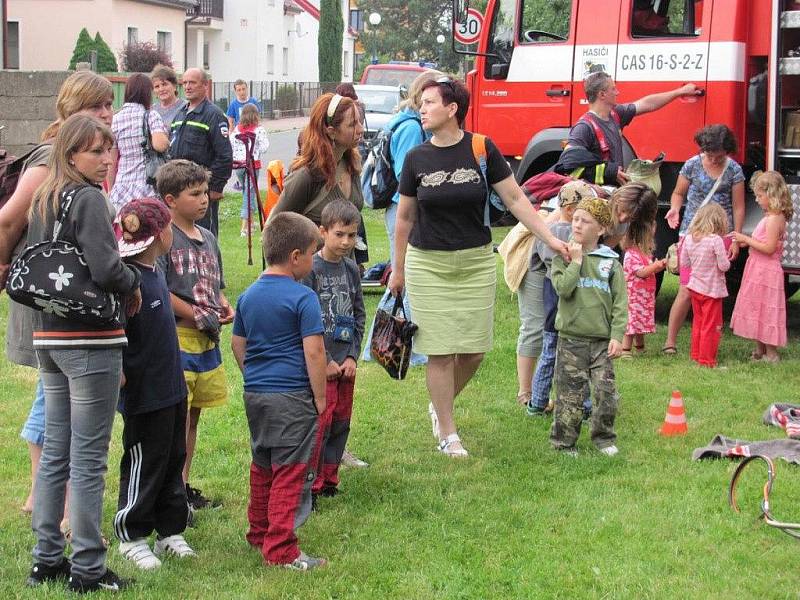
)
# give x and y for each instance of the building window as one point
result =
(164, 42)
(346, 64)
(12, 59)
(356, 20)
(270, 59)
(271, 3)
(133, 35)
(285, 61)
(206, 65)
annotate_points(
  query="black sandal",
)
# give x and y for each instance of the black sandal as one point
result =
(669, 350)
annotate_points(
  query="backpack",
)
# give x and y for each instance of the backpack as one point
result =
(11, 168)
(494, 209)
(378, 181)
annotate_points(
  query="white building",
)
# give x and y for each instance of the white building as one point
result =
(261, 40)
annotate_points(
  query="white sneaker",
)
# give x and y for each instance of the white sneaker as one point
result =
(351, 460)
(175, 545)
(610, 450)
(139, 553)
(434, 420)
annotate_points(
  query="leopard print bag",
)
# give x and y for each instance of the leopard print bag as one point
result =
(391, 340)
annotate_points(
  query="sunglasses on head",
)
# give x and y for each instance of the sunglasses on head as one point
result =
(446, 81)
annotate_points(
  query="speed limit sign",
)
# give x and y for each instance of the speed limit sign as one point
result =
(469, 31)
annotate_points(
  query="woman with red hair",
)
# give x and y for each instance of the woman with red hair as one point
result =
(328, 165)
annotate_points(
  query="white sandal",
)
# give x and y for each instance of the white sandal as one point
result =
(434, 420)
(445, 446)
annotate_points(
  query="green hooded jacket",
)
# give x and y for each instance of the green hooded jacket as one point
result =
(592, 296)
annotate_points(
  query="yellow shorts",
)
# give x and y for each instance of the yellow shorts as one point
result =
(203, 369)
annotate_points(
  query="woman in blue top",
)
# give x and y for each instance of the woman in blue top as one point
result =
(408, 133)
(695, 182)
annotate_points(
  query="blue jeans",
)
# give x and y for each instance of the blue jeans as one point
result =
(543, 377)
(33, 430)
(81, 388)
(248, 194)
(389, 219)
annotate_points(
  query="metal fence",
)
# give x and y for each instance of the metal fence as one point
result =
(276, 99)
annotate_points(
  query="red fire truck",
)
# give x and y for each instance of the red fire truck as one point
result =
(532, 56)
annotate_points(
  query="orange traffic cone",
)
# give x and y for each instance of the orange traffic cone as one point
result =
(675, 419)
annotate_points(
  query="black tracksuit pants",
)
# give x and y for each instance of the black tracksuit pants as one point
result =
(152, 495)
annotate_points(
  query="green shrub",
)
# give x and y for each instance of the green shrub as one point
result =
(286, 97)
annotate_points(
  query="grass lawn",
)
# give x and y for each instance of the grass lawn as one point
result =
(515, 520)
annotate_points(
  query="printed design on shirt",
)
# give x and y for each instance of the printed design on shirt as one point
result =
(590, 282)
(457, 177)
(203, 264)
(334, 298)
(605, 266)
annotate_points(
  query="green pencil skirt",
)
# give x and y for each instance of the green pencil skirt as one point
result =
(452, 299)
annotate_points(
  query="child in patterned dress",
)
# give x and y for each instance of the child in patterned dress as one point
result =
(640, 276)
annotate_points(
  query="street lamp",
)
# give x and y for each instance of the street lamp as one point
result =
(440, 40)
(374, 20)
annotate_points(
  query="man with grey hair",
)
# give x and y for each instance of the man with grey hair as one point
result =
(599, 131)
(200, 134)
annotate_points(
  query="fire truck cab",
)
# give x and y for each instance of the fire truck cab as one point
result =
(533, 55)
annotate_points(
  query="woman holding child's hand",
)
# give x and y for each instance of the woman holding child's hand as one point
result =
(443, 246)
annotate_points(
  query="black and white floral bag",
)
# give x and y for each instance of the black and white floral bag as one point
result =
(53, 277)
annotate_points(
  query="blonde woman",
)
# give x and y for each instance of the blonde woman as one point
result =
(407, 133)
(80, 365)
(86, 93)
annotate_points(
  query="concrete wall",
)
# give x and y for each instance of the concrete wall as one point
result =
(27, 106)
(41, 50)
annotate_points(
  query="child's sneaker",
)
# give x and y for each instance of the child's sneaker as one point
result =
(304, 562)
(197, 501)
(535, 411)
(174, 545)
(140, 554)
(108, 581)
(572, 451)
(328, 491)
(610, 450)
(351, 460)
(41, 573)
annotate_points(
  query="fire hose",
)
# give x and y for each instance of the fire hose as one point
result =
(792, 529)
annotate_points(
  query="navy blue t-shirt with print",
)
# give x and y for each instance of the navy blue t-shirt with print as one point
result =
(451, 193)
(274, 315)
(152, 360)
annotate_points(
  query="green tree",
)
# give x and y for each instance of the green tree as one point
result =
(106, 63)
(408, 31)
(83, 47)
(329, 46)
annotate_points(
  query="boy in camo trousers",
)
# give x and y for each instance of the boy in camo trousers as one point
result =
(591, 319)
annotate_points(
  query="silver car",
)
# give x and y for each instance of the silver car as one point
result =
(381, 102)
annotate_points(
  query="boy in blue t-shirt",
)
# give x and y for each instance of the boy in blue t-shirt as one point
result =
(278, 345)
(152, 401)
(234, 112)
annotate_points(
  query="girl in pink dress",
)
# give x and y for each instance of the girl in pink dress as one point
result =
(760, 311)
(640, 275)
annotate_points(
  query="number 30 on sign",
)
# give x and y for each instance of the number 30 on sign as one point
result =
(469, 31)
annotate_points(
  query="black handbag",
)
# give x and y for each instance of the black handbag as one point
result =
(53, 277)
(391, 340)
(152, 158)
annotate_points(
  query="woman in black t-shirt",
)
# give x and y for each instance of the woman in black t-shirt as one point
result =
(443, 248)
